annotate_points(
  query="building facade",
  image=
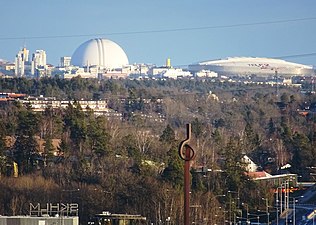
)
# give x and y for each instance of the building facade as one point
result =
(65, 61)
(21, 60)
(248, 66)
(38, 61)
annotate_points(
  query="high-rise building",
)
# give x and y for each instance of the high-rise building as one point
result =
(38, 61)
(65, 61)
(21, 59)
(168, 63)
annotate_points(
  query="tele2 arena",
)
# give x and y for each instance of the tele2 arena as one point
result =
(248, 66)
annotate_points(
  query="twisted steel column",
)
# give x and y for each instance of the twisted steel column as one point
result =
(187, 154)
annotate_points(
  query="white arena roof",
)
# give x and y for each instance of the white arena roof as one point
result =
(99, 52)
(253, 66)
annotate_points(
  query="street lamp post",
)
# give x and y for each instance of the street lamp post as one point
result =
(267, 210)
(277, 215)
(287, 194)
(293, 202)
(230, 214)
(258, 217)
(294, 213)
(247, 211)
(277, 205)
(287, 191)
(281, 196)
(283, 201)
(294, 217)
(230, 211)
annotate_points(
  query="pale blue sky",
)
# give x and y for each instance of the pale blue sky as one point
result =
(46, 18)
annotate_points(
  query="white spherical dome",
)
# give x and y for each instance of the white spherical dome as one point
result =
(99, 52)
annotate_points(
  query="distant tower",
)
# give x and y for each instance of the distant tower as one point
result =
(38, 60)
(168, 63)
(65, 61)
(20, 60)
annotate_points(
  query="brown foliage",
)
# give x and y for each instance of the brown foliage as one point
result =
(17, 193)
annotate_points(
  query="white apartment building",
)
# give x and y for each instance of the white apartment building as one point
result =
(21, 59)
(38, 61)
(40, 104)
(65, 61)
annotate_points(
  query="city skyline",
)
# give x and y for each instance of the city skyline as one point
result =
(150, 32)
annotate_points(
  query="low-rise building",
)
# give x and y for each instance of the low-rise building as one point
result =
(40, 104)
(30, 220)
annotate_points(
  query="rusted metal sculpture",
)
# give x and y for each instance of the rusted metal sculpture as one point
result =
(187, 154)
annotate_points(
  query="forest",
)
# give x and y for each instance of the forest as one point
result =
(131, 165)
